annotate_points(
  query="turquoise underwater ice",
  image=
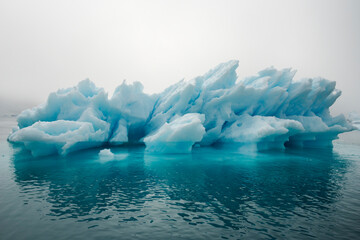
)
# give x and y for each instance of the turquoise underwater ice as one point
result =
(266, 111)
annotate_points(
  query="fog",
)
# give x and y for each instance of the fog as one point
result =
(47, 44)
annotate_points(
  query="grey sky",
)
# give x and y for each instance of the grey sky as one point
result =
(47, 44)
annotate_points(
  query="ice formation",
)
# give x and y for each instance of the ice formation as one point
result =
(106, 154)
(178, 136)
(269, 110)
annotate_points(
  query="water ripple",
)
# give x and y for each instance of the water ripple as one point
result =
(207, 194)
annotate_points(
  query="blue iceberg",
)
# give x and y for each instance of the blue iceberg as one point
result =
(178, 136)
(266, 111)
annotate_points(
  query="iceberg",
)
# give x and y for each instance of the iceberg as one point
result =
(267, 111)
(178, 136)
(106, 154)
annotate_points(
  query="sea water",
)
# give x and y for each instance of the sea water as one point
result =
(208, 194)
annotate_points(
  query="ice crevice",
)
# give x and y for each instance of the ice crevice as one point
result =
(266, 111)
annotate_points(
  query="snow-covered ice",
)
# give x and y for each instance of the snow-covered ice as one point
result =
(265, 111)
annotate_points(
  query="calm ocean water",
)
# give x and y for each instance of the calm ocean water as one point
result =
(209, 194)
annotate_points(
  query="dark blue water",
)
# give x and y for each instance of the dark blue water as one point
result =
(209, 194)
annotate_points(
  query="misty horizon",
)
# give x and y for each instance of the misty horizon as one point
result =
(50, 45)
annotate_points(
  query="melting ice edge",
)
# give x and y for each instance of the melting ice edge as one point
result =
(266, 111)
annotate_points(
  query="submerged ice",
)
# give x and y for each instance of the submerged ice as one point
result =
(266, 111)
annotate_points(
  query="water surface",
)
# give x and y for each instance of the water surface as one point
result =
(209, 194)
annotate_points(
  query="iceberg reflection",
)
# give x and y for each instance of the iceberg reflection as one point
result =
(210, 187)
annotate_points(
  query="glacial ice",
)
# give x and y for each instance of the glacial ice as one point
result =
(178, 136)
(106, 154)
(266, 111)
